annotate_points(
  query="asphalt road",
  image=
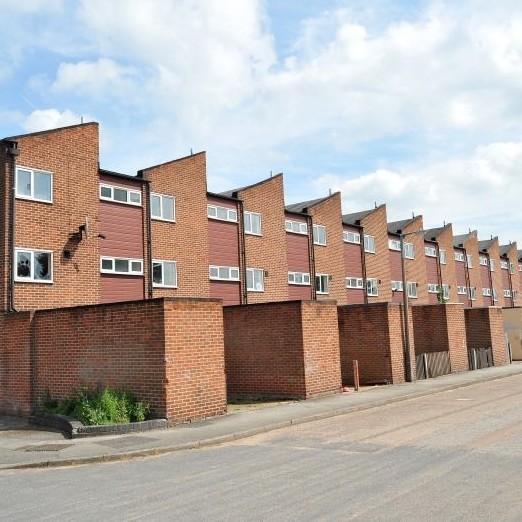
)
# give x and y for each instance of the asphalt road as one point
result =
(451, 456)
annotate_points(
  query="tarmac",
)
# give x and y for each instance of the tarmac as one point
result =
(25, 446)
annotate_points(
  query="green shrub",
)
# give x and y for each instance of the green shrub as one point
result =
(99, 406)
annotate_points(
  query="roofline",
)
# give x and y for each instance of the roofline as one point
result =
(220, 196)
(120, 175)
(370, 212)
(141, 171)
(48, 131)
(248, 187)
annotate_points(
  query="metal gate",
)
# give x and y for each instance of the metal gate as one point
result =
(480, 358)
(433, 364)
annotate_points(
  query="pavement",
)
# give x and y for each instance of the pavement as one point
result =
(26, 446)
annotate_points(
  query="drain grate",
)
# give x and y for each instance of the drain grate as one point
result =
(47, 447)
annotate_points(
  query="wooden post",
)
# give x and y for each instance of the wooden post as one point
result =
(356, 375)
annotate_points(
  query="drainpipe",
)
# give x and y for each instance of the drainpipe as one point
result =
(242, 253)
(492, 296)
(311, 255)
(149, 241)
(510, 283)
(13, 151)
(468, 280)
(363, 264)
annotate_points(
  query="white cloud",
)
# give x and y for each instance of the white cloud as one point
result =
(44, 119)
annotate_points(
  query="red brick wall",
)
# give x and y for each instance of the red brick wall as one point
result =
(484, 328)
(416, 268)
(186, 240)
(378, 264)
(155, 349)
(267, 355)
(445, 242)
(475, 279)
(15, 363)
(329, 259)
(5, 183)
(372, 335)
(71, 154)
(496, 275)
(441, 328)
(268, 251)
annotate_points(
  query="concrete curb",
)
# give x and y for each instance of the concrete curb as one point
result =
(214, 441)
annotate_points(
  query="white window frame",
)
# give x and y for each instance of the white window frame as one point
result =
(251, 229)
(213, 211)
(433, 288)
(445, 292)
(355, 283)
(409, 251)
(351, 237)
(369, 244)
(322, 284)
(511, 268)
(394, 244)
(397, 286)
(255, 273)
(459, 256)
(504, 265)
(127, 190)
(430, 251)
(215, 273)
(32, 252)
(296, 227)
(372, 287)
(507, 292)
(486, 292)
(492, 265)
(299, 278)
(443, 258)
(113, 270)
(469, 261)
(495, 295)
(412, 289)
(33, 172)
(161, 217)
(520, 268)
(162, 263)
(462, 290)
(472, 293)
(319, 233)
(483, 261)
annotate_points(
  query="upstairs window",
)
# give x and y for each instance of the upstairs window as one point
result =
(120, 195)
(319, 235)
(430, 251)
(354, 282)
(394, 244)
(255, 280)
(224, 273)
(412, 289)
(164, 274)
(459, 256)
(297, 227)
(462, 290)
(397, 286)
(433, 288)
(252, 223)
(34, 266)
(504, 264)
(372, 288)
(298, 278)
(221, 213)
(409, 252)
(472, 293)
(486, 292)
(162, 207)
(492, 265)
(483, 261)
(321, 283)
(369, 245)
(34, 184)
(351, 237)
(442, 256)
(469, 261)
(445, 292)
(119, 265)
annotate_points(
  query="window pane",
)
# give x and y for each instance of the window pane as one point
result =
(106, 192)
(121, 265)
(168, 207)
(234, 273)
(135, 197)
(223, 272)
(23, 264)
(157, 273)
(211, 211)
(250, 279)
(23, 183)
(258, 280)
(155, 206)
(169, 274)
(136, 266)
(106, 264)
(248, 222)
(120, 195)
(213, 271)
(222, 213)
(42, 186)
(232, 215)
(42, 266)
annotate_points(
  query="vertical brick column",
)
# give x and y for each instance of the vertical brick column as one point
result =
(484, 328)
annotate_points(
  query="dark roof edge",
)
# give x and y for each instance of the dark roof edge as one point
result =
(141, 171)
(48, 131)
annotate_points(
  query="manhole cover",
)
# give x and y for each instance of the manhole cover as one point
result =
(123, 442)
(47, 447)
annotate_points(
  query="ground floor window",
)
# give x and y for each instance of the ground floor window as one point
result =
(34, 265)
(321, 283)
(255, 280)
(164, 274)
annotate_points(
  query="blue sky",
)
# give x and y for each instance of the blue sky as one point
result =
(411, 103)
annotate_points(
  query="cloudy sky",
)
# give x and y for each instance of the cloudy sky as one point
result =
(413, 103)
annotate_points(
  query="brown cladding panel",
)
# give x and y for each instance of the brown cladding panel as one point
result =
(297, 252)
(395, 265)
(506, 301)
(226, 290)
(352, 260)
(117, 288)
(432, 276)
(122, 226)
(354, 296)
(121, 182)
(299, 292)
(223, 243)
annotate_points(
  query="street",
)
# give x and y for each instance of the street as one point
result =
(455, 455)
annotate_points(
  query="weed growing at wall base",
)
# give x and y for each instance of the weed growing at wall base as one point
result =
(99, 406)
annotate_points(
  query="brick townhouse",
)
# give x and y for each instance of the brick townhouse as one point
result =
(491, 279)
(508, 266)
(467, 269)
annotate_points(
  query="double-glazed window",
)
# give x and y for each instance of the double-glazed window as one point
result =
(319, 235)
(298, 278)
(255, 280)
(120, 265)
(445, 292)
(486, 292)
(252, 223)
(507, 293)
(462, 290)
(409, 251)
(397, 286)
(164, 274)
(369, 244)
(433, 288)
(372, 287)
(412, 289)
(459, 256)
(394, 244)
(483, 261)
(120, 195)
(34, 184)
(442, 256)
(430, 251)
(162, 207)
(351, 237)
(297, 227)
(321, 283)
(221, 213)
(34, 265)
(223, 273)
(504, 264)
(354, 282)
(469, 261)
(472, 293)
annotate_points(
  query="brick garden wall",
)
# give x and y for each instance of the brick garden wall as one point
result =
(484, 328)
(373, 335)
(155, 349)
(284, 350)
(441, 328)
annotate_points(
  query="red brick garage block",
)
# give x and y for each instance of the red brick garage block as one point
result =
(485, 328)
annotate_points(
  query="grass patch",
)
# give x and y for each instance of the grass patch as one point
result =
(99, 406)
